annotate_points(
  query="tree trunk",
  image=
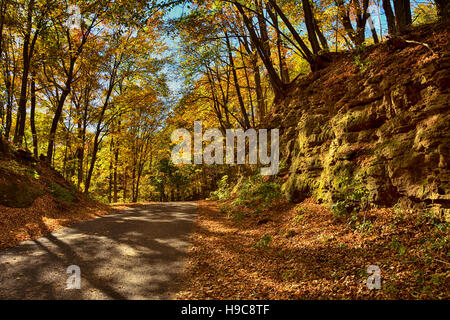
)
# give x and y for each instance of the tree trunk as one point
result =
(133, 183)
(252, 52)
(277, 84)
(322, 39)
(125, 185)
(236, 82)
(9, 105)
(111, 168)
(310, 26)
(305, 50)
(373, 30)
(55, 121)
(99, 124)
(116, 160)
(32, 117)
(443, 9)
(263, 29)
(284, 72)
(92, 164)
(402, 14)
(258, 88)
(392, 29)
(27, 52)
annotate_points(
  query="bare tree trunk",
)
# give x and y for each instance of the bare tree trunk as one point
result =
(249, 90)
(284, 72)
(10, 88)
(258, 88)
(133, 183)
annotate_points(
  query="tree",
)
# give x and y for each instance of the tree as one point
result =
(402, 14)
(443, 9)
(30, 37)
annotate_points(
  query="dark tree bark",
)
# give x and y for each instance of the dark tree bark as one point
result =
(32, 116)
(10, 87)
(111, 168)
(275, 80)
(443, 9)
(373, 30)
(236, 82)
(402, 14)
(392, 29)
(258, 88)
(116, 162)
(263, 29)
(3, 7)
(29, 42)
(67, 87)
(58, 113)
(310, 26)
(284, 72)
(305, 50)
(322, 39)
(249, 89)
(98, 131)
(125, 184)
(82, 114)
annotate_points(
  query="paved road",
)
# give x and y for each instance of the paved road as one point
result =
(138, 253)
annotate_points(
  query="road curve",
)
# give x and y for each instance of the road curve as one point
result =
(138, 253)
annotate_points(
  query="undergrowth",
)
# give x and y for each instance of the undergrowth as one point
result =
(61, 194)
(351, 196)
(252, 194)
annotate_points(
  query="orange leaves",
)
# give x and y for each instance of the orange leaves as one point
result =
(318, 258)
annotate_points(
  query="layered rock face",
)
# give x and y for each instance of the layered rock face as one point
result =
(380, 118)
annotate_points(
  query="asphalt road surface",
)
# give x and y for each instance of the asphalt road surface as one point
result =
(139, 253)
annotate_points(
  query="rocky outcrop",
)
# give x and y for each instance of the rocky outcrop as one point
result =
(379, 117)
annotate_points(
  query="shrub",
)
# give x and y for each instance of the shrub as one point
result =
(254, 191)
(264, 242)
(352, 195)
(223, 190)
(298, 218)
(61, 194)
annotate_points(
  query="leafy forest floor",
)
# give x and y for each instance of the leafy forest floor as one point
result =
(304, 252)
(43, 217)
(36, 200)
